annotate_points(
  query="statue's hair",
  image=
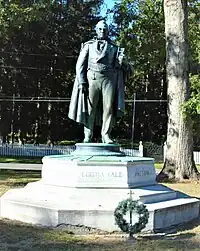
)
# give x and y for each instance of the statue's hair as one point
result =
(103, 21)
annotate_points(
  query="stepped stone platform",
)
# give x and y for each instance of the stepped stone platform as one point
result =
(84, 188)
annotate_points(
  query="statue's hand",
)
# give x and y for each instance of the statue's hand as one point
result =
(121, 56)
(121, 59)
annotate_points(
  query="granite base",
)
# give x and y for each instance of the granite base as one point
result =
(85, 190)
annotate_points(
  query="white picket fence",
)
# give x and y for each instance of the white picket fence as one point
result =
(34, 151)
(44, 150)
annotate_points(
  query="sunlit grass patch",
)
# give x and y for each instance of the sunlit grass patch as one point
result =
(12, 179)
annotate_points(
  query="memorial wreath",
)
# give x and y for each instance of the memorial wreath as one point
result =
(131, 206)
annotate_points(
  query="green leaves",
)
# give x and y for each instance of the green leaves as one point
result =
(131, 206)
(192, 106)
(140, 25)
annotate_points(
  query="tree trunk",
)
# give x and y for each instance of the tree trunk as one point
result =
(179, 163)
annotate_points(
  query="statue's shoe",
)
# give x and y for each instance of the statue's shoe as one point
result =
(87, 140)
(106, 139)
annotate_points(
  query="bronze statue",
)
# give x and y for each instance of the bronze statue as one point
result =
(98, 93)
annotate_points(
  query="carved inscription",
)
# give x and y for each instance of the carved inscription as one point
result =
(143, 173)
(92, 174)
(133, 175)
(101, 175)
(138, 173)
(115, 174)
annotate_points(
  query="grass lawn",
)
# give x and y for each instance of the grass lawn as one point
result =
(160, 166)
(38, 160)
(26, 160)
(20, 236)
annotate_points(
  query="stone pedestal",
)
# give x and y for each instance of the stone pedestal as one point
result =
(100, 149)
(85, 189)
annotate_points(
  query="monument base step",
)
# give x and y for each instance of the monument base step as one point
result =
(146, 194)
(52, 205)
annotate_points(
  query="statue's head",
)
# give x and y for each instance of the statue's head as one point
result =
(102, 29)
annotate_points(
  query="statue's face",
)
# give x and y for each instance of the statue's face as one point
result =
(101, 30)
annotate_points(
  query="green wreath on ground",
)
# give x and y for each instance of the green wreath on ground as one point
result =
(132, 206)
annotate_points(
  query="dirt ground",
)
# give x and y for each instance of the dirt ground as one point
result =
(19, 236)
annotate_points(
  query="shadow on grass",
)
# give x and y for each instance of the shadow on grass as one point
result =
(18, 174)
(18, 236)
(15, 159)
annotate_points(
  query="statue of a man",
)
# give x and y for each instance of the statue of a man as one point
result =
(98, 93)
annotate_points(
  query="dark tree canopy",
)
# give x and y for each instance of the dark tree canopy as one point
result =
(40, 41)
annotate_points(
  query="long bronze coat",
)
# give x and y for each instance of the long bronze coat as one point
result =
(78, 103)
